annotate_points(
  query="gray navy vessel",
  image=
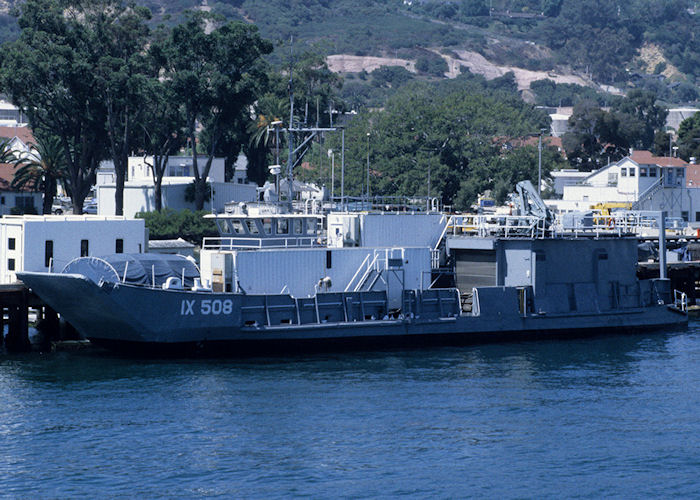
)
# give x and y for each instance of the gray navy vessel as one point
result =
(271, 281)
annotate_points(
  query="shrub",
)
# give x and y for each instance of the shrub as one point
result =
(171, 224)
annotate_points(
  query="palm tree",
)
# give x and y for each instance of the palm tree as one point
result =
(7, 154)
(41, 169)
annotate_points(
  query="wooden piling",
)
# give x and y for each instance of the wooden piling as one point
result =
(17, 339)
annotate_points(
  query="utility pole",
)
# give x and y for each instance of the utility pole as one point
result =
(342, 167)
(539, 164)
(367, 166)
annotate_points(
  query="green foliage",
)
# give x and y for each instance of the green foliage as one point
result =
(689, 138)
(186, 224)
(548, 93)
(443, 131)
(391, 76)
(42, 171)
(596, 136)
(217, 74)
(431, 64)
(50, 71)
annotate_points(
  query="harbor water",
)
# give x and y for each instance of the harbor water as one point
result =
(610, 416)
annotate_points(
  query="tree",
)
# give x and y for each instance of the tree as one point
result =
(7, 154)
(121, 34)
(41, 170)
(162, 131)
(689, 138)
(216, 75)
(49, 72)
(641, 112)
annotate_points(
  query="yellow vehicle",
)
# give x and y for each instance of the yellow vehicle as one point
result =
(606, 210)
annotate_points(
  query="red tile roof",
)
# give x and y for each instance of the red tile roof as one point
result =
(22, 133)
(7, 173)
(646, 158)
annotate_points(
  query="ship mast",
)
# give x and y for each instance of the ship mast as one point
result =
(309, 132)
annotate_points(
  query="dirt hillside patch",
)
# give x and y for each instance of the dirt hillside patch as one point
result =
(342, 63)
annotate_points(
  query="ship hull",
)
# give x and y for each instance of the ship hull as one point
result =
(144, 320)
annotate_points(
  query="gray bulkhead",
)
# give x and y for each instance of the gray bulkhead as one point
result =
(550, 276)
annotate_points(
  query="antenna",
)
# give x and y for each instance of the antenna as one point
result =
(290, 88)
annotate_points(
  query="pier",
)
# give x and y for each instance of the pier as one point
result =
(16, 301)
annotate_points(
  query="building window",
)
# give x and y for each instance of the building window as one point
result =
(632, 171)
(642, 172)
(10, 264)
(652, 171)
(623, 172)
(2, 200)
(119, 247)
(24, 203)
(48, 253)
(684, 215)
(10, 243)
(83, 248)
(329, 259)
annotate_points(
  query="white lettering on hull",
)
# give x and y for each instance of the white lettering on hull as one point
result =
(207, 307)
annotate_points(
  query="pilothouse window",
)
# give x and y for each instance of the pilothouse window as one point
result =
(297, 226)
(267, 226)
(237, 226)
(252, 227)
(282, 226)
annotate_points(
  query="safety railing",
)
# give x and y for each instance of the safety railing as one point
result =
(680, 300)
(234, 243)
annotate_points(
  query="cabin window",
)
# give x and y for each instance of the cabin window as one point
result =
(684, 215)
(119, 246)
(642, 172)
(310, 229)
(252, 227)
(223, 226)
(297, 226)
(48, 253)
(329, 259)
(623, 172)
(84, 248)
(10, 264)
(282, 226)
(11, 244)
(633, 171)
(267, 226)
(2, 200)
(237, 226)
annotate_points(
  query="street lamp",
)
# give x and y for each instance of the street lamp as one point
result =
(539, 163)
(276, 168)
(331, 155)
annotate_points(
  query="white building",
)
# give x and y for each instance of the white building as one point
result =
(12, 200)
(139, 190)
(11, 116)
(676, 116)
(566, 177)
(49, 242)
(560, 121)
(644, 181)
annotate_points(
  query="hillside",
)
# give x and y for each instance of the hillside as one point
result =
(650, 44)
